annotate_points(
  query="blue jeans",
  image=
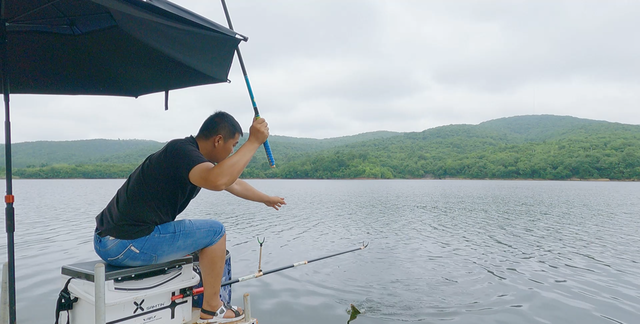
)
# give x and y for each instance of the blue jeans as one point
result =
(167, 242)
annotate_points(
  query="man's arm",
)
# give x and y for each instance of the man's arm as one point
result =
(242, 189)
(225, 173)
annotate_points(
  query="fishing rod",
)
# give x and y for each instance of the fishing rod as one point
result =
(261, 273)
(267, 148)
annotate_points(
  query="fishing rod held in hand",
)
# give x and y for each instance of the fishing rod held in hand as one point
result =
(264, 273)
(267, 147)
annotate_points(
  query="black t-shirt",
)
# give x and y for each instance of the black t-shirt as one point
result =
(155, 193)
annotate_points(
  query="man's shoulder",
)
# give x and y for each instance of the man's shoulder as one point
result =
(181, 153)
(184, 149)
(189, 140)
(182, 144)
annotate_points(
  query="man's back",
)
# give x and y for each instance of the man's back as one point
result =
(155, 192)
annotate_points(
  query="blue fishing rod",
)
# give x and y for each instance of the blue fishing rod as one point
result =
(267, 148)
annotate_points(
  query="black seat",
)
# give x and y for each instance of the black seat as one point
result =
(84, 270)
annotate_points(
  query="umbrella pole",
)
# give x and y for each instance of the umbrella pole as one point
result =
(9, 211)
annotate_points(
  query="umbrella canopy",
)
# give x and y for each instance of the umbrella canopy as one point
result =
(103, 47)
(112, 47)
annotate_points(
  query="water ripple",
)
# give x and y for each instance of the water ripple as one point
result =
(460, 251)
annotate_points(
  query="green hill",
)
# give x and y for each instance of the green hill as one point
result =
(521, 147)
(46, 153)
(293, 148)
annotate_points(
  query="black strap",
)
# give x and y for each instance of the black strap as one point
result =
(65, 302)
(229, 307)
(208, 312)
(224, 306)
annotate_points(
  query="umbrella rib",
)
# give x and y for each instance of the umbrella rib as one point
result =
(34, 10)
(69, 19)
(72, 26)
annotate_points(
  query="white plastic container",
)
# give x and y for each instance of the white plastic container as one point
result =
(134, 295)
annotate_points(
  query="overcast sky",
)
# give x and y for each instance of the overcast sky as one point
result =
(333, 68)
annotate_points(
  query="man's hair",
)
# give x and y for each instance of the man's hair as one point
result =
(220, 123)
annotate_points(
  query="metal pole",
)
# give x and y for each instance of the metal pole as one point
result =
(4, 300)
(267, 147)
(247, 308)
(9, 199)
(100, 298)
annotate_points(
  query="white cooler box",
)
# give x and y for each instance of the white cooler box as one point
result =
(134, 295)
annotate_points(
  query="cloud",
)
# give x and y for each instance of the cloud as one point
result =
(499, 46)
(334, 68)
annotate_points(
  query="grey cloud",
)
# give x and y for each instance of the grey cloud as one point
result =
(334, 68)
(543, 41)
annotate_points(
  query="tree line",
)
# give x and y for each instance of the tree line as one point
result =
(525, 147)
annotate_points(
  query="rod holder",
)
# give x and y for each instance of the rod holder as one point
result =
(260, 258)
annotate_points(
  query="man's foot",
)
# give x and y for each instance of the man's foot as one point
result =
(225, 314)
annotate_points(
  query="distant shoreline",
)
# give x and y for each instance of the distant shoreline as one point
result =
(427, 179)
(535, 147)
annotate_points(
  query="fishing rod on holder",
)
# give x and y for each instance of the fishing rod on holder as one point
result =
(261, 273)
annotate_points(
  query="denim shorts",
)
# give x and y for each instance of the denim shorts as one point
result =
(167, 242)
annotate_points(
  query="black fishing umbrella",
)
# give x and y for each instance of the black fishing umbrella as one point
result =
(103, 47)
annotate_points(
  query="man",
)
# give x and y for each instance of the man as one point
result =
(138, 226)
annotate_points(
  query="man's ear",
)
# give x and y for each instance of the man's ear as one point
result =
(218, 140)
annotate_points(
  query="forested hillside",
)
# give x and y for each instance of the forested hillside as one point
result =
(523, 147)
(47, 153)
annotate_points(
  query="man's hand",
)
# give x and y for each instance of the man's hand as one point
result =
(259, 131)
(242, 189)
(275, 202)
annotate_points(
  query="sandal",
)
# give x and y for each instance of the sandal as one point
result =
(218, 316)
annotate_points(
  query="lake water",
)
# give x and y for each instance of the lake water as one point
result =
(440, 251)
